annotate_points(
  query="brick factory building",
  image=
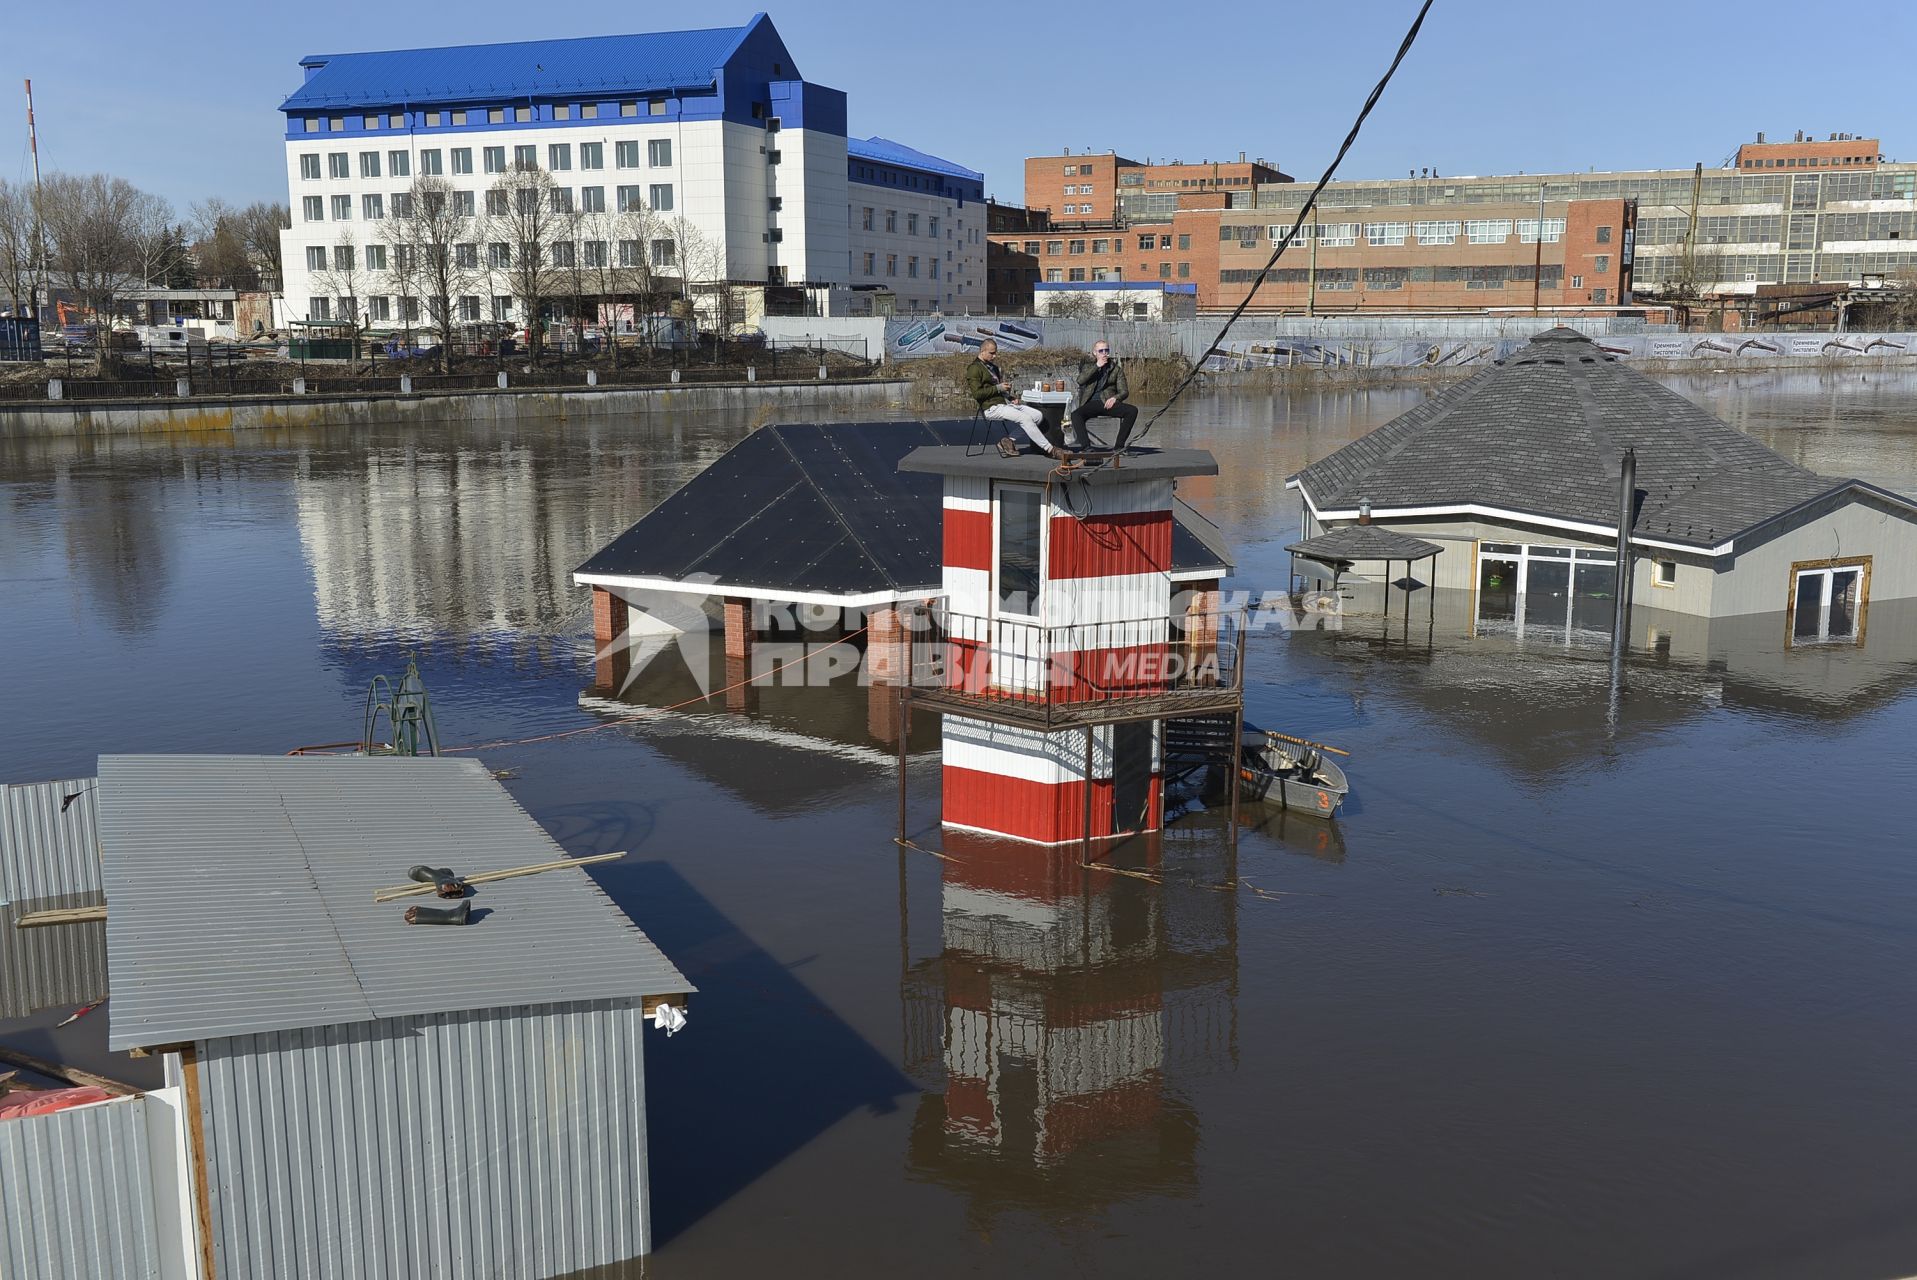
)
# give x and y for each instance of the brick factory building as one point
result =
(1091, 187)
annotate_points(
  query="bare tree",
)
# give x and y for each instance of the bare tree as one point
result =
(526, 219)
(1074, 305)
(646, 262)
(346, 279)
(23, 248)
(259, 227)
(702, 273)
(102, 232)
(220, 255)
(440, 259)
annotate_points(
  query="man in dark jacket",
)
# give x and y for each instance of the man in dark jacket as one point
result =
(1102, 393)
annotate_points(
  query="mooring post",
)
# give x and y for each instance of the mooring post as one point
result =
(905, 725)
(1237, 761)
(1626, 513)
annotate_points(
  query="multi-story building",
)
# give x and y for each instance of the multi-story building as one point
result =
(917, 233)
(701, 155)
(1097, 187)
(1800, 212)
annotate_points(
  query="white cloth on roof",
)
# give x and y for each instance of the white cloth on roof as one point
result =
(668, 1019)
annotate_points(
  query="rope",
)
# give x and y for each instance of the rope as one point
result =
(1304, 212)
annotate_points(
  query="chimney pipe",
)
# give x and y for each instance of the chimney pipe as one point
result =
(1760, 135)
(1364, 511)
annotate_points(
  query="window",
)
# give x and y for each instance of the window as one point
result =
(372, 207)
(628, 198)
(1074, 246)
(336, 165)
(932, 268)
(588, 111)
(462, 159)
(342, 257)
(1053, 275)
(664, 253)
(316, 257)
(592, 199)
(1828, 599)
(402, 204)
(564, 254)
(497, 205)
(459, 117)
(656, 107)
(469, 307)
(502, 307)
(911, 224)
(320, 309)
(313, 208)
(525, 157)
(499, 255)
(1577, 282)
(376, 257)
(1528, 230)
(871, 260)
(1664, 573)
(1604, 237)
(1184, 239)
(526, 201)
(466, 255)
(311, 124)
(626, 154)
(559, 157)
(1487, 230)
(1031, 247)
(628, 253)
(398, 164)
(1021, 514)
(369, 164)
(1164, 242)
(1600, 295)
(522, 115)
(593, 253)
(561, 200)
(1164, 271)
(379, 308)
(628, 108)
(865, 220)
(462, 204)
(659, 153)
(1101, 246)
(403, 259)
(495, 159)
(336, 124)
(1146, 243)
(1075, 274)
(592, 155)
(1437, 232)
(932, 227)
(429, 165)
(661, 196)
(892, 220)
(891, 264)
(1332, 235)
(342, 208)
(1184, 271)
(912, 267)
(1382, 233)
(1053, 247)
(309, 166)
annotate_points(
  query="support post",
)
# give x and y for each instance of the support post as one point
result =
(905, 724)
(1626, 516)
(1091, 735)
(1237, 764)
(611, 656)
(738, 613)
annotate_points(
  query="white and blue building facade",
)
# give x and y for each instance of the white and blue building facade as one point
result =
(714, 129)
(917, 231)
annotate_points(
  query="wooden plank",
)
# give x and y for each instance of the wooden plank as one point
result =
(63, 915)
(396, 892)
(196, 1155)
(676, 999)
(68, 1075)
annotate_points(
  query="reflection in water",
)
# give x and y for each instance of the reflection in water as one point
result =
(1052, 1027)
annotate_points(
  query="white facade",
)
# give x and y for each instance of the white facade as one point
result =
(718, 178)
(927, 249)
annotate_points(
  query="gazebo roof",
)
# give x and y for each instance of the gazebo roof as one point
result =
(1357, 542)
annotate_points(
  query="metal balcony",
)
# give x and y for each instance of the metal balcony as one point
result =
(1018, 672)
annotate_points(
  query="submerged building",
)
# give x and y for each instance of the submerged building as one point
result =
(1517, 470)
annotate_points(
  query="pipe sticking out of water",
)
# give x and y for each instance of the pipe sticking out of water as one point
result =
(1626, 514)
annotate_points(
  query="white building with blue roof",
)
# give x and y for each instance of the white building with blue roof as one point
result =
(715, 133)
(917, 230)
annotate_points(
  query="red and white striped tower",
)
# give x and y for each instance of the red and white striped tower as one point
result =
(1058, 618)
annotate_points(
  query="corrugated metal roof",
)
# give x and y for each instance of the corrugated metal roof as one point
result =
(886, 151)
(78, 1200)
(44, 852)
(640, 63)
(240, 898)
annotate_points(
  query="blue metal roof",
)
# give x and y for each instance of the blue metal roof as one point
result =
(886, 151)
(643, 63)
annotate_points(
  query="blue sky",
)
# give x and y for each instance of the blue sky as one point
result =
(182, 100)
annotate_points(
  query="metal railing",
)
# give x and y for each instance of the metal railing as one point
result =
(1086, 672)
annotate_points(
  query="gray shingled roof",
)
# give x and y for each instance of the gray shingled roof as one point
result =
(1356, 542)
(239, 897)
(1542, 432)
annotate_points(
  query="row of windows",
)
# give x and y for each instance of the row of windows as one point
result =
(1808, 162)
(488, 115)
(1770, 228)
(911, 266)
(592, 155)
(868, 221)
(373, 206)
(1335, 279)
(915, 181)
(1674, 188)
(1147, 241)
(343, 258)
(1345, 235)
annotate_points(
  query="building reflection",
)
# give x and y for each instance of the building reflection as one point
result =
(1062, 1010)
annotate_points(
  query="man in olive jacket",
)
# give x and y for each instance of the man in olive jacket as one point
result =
(1102, 393)
(987, 385)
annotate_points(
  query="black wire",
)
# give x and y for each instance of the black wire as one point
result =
(1410, 38)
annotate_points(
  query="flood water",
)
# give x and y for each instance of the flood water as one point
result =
(1585, 982)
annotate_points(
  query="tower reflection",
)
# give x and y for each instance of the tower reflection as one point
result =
(1063, 1007)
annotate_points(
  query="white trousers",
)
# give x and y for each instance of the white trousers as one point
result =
(1028, 419)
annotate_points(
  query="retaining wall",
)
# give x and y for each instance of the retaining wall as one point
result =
(212, 414)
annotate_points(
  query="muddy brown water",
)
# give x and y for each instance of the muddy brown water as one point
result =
(1585, 982)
